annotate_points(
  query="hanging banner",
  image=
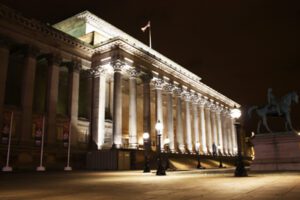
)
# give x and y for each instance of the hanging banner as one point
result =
(66, 132)
(38, 129)
(6, 126)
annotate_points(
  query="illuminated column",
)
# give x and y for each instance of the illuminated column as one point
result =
(229, 134)
(132, 110)
(179, 131)
(195, 101)
(187, 98)
(169, 88)
(74, 73)
(233, 133)
(224, 132)
(118, 66)
(158, 85)
(146, 105)
(4, 57)
(27, 94)
(219, 125)
(52, 95)
(214, 125)
(202, 103)
(208, 127)
(99, 106)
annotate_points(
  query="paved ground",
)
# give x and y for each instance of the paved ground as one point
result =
(136, 185)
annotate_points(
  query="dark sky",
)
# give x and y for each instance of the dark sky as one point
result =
(240, 48)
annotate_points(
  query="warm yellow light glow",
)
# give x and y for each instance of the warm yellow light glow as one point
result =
(167, 141)
(235, 113)
(197, 145)
(159, 126)
(298, 133)
(145, 136)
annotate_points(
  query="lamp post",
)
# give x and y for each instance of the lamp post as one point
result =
(220, 158)
(146, 148)
(240, 170)
(160, 169)
(198, 156)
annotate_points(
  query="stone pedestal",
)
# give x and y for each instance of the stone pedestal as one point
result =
(276, 152)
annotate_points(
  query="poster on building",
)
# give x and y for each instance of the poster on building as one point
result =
(6, 127)
(66, 132)
(38, 129)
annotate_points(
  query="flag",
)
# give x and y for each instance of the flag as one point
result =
(145, 27)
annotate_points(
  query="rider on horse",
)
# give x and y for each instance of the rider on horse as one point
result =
(272, 101)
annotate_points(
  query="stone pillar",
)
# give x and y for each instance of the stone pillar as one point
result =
(179, 131)
(214, 126)
(4, 58)
(224, 132)
(54, 62)
(187, 98)
(169, 88)
(229, 135)
(203, 126)
(220, 132)
(146, 105)
(133, 140)
(74, 73)
(27, 94)
(117, 110)
(234, 138)
(99, 106)
(209, 138)
(158, 85)
(195, 100)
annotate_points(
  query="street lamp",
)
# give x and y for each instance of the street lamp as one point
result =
(146, 148)
(198, 156)
(160, 169)
(240, 170)
(220, 158)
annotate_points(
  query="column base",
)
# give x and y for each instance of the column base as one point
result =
(40, 169)
(133, 146)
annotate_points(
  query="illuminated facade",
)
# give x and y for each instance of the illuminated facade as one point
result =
(111, 87)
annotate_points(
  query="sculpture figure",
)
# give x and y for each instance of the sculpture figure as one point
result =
(275, 108)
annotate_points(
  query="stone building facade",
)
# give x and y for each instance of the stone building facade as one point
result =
(109, 86)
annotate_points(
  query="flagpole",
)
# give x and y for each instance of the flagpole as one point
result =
(68, 168)
(41, 167)
(150, 41)
(7, 168)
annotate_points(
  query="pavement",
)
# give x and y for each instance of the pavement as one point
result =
(184, 185)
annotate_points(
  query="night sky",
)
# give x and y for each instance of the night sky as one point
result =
(240, 48)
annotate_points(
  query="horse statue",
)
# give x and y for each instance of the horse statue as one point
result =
(276, 108)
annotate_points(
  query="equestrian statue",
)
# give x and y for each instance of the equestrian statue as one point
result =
(275, 108)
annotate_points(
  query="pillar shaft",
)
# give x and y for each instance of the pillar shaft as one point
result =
(117, 110)
(196, 124)
(170, 122)
(74, 73)
(146, 106)
(203, 129)
(234, 138)
(220, 138)
(4, 57)
(132, 111)
(208, 130)
(52, 96)
(27, 94)
(188, 126)
(179, 131)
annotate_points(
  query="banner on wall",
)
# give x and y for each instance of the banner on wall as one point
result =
(66, 132)
(6, 127)
(38, 129)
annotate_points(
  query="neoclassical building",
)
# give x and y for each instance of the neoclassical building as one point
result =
(109, 86)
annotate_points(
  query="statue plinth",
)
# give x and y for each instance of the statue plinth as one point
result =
(276, 152)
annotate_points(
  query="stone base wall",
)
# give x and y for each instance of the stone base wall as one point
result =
(276, 152)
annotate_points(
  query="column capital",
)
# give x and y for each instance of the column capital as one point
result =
(178, 91)
(146, 77)
(54, 59)
(169, 88)
(98, 71)
(187, 95)
(202, 101)
(158, 83)
(32, 51)
(73, 66)
(195, 98)
(118, 65)
(133, 73)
